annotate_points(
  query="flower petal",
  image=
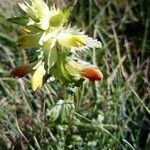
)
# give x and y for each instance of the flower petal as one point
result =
(37, 79)
(57, 20)
(71, 40)
(38, 11)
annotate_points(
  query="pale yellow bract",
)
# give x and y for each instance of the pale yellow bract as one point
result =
(37, 78)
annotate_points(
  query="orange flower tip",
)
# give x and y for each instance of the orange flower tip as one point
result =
(20, 71)
(92, 73)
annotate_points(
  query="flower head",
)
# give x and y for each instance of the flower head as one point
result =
(81, 69)
(50, 44)
(38, 13)
(71, 40)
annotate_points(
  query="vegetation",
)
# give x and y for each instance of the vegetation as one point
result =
(113, 113)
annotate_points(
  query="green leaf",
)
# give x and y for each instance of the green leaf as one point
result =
(57, 20)
(29, 41)
(19, 20)
(34, 29)
(50, 57)
(66, 76)
(68, 110)
(32, 54)
(55, 112)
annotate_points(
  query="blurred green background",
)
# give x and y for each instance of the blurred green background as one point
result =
(110, 114)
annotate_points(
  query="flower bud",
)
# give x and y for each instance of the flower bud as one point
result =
(92, 73)
(21, 70)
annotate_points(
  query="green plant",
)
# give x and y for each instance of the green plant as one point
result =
(53, 44)
(111, 114)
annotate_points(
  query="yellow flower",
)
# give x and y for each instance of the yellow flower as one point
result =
(82, 69)
(37, 79)
(38, 12)
(70, 40)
